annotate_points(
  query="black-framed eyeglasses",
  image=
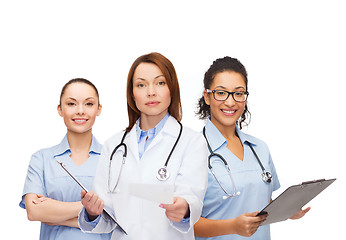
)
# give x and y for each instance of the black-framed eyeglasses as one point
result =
(222, 95)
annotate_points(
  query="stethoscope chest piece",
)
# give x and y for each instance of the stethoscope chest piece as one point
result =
(266, 176)
(162, 174)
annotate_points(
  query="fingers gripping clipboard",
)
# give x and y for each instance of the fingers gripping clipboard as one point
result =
(105, 211)
(293, 199)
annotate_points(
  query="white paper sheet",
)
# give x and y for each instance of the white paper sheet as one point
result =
(160, 193)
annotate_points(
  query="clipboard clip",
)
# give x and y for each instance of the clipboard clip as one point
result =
(314, 181)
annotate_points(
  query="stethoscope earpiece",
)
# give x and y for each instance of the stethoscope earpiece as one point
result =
(236, 194)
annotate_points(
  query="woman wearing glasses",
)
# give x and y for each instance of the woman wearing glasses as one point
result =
(50, 195)
(242, 175)
(154, 149)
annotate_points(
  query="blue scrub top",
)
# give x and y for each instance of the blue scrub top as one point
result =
(255, 194)
(45, 176)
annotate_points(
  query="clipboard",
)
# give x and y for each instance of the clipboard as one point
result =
(293, 199)
(105, 211)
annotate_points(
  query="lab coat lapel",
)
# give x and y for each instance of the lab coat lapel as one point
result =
(133, 144)
(171, 128)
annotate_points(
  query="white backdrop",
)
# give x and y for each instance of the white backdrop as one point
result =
(293, 51)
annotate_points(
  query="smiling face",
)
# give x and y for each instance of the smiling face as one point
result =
(150, 92)
(224, 114)
(79, 107)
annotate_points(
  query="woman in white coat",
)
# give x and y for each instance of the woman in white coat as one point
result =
(156, 143)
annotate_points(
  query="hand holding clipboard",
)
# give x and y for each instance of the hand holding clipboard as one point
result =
(81, 185)
(293, 199)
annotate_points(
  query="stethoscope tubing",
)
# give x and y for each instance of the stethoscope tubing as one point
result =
(119, 145)
(175, 144)
(123, 144)
(258, 160)
(266, 176)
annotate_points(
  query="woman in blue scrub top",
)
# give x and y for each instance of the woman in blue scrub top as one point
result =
(50, 195)
(233, 198)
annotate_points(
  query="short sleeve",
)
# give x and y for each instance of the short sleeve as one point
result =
(34, 182)
(276, 182)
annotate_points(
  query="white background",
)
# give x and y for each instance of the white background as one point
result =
(294, 52)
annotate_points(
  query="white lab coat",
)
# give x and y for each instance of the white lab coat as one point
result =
(143, 219)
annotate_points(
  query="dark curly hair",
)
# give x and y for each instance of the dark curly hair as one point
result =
(218, 66)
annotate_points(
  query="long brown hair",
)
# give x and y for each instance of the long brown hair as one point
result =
(168, 71)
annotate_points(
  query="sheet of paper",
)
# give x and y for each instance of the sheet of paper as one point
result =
(160, 193)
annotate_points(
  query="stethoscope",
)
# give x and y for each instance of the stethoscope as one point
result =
(266, 176)
(162, 174)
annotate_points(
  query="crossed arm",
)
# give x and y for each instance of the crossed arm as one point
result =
(52, 212)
